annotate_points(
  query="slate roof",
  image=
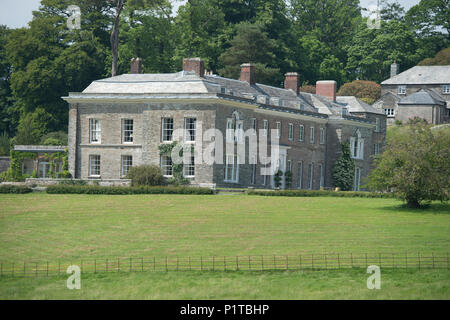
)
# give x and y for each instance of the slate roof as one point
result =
(356, 105)
(422, 75)
(423, 97)
(188, 84)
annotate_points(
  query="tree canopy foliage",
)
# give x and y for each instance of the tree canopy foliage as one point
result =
(319, 39)
(415, 164)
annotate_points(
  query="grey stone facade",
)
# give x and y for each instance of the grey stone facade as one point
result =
(212, 101)
(422, 91)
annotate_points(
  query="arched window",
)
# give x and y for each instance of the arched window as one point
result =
(357, 146)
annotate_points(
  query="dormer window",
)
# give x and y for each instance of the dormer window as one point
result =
(401, 90)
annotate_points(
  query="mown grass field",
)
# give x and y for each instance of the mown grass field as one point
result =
(70, 227)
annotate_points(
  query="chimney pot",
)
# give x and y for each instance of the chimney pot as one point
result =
(136, 65)
(327, 89)
(291, 81)
(248, 73)
(194, 64)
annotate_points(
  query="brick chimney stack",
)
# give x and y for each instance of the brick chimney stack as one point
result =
(291, 81)
(248, 73)
(327, 89)
(394, 69)
(194, 64)
(136, 65)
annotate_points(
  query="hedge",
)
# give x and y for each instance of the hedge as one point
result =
(320, 193)
(77, 189)
(8, 188)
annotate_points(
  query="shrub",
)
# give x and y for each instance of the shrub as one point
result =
(74, 189)
(145, 175)
(7, 188)
(320, 193)
(369, 90)
(71, 182)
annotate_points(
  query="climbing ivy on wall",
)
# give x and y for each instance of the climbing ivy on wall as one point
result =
(177, 169)
(14, 172)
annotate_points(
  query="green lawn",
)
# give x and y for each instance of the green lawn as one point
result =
(73, 227)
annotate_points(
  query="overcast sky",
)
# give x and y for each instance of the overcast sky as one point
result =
(17, 13)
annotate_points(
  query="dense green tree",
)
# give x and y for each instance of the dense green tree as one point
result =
(430, 17)
(252, 45)
(372, 51)
(344, 169)
(415, 165)
(200, 31)
(442, 58)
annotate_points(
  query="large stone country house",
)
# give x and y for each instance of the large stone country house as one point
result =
(119, 122)
(422, 91)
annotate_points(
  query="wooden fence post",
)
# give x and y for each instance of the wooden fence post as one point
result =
(167, 268)
(366, 261)
(339, 262)
(224, 263)
(326, 262)
(287, 262)
(95, 265)
(24, 268)
(379, 259)
(177, 263)
(262, 263)
(249, 264)
(47, 268)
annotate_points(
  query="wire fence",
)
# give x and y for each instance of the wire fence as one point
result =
(230, 263)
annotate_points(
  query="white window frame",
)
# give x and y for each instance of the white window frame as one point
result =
(301, 134)
(299, 174)
(322, 136)
(165, 129)
(291, 131)
(191, 130)
(94, 165)
(229, 130)
(446, 89)
(254, 125)
(322, 178)
(376, 149)
(389, 112)
(126, 130)
(358, 143)
(164, 165)
(189, 168)
(126, 163)
(401, 90)
(278, 126)
(239, 133)
(253, 171)
(265, 127)
(377, 125)
(232, 160)
(310, 175)
(311, 135)
(95, 131)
